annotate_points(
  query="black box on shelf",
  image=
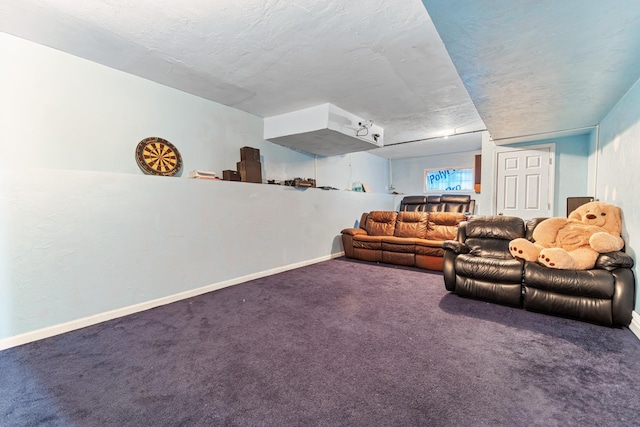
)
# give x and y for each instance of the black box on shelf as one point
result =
(250, 154)
(230, 175)
(250, 171)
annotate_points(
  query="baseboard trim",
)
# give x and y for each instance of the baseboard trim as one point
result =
(635, 324)
(62, 328)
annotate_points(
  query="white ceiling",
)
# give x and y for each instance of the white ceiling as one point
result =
(530, 67)
(541, 66)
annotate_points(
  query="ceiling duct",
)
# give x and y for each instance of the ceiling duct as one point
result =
(324, 130)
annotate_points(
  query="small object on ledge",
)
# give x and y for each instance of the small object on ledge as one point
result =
(300, 182)
(250, 171)
(250, 154)
(230, 175)
(202, 174)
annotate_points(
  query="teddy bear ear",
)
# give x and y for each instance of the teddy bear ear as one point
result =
(614, 221)
(579, 212)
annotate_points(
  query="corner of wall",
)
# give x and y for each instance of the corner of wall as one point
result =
(486, 197)
(635, 324)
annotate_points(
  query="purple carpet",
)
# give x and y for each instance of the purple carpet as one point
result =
(340, 343)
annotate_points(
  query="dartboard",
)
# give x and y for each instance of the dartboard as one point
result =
(157, 156)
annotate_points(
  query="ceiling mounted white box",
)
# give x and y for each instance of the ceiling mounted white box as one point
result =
(325, 130)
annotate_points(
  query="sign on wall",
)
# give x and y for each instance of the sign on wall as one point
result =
(461, 179)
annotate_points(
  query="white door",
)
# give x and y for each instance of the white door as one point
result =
(525, 182)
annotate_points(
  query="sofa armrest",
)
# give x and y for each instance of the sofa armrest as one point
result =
(612, 260)
(353, 231)
(455, 246)
(623, 296)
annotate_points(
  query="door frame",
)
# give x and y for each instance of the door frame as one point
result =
(552, 170)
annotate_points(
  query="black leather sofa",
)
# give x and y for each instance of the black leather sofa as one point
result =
(478, 264)
(435, 203)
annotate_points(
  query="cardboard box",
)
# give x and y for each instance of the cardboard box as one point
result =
(250, 154)
(250, 171)
(230, 175)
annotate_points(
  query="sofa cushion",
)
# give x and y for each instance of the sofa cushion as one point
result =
(411, 224)
(584, 283)
(443, 225)
(381, 223)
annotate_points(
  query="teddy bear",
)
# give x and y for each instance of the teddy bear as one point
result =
(574, 242)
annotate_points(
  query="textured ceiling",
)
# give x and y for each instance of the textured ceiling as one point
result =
(530, 67)
(379, 60)
(543, 66)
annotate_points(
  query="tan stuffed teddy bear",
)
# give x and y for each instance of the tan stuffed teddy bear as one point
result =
(574, 242)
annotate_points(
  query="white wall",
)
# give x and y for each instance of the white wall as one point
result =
(617, 170)
(60, 111)
(78, 243)
(408, 174)
(83, 231)
(342, 171)
(571, 171)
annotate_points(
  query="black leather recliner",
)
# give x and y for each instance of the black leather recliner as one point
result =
(434, 203)
(413, 204)
(479, 265)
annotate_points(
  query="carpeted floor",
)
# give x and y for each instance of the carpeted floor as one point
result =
(340, 343)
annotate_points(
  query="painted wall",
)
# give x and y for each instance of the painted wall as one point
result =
(571, 171)
(83, 231)
(617, 172)
(408, 174)
(64, 112)
(78, 243)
